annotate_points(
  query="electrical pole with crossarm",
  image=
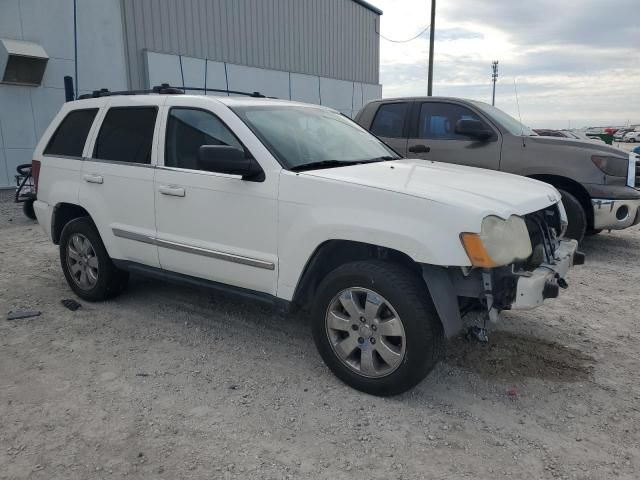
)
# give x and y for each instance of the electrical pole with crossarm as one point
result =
(494, 77)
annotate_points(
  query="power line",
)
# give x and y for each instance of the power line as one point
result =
(404, 41)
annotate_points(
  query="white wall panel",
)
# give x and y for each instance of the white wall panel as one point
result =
(50, 24)
(5, 178)
(193, 70)
(55, 72)
(271, 83)
(46, 104)
(216, 77)
(163, 68)
(16, 117)
(10, 19)
(15, 157)
(371, 92)
(305, 88)
(337, 94)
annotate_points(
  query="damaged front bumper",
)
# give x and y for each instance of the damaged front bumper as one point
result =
(546, 280)
(494, 290)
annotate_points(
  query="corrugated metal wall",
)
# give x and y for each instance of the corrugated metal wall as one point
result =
(330, 38)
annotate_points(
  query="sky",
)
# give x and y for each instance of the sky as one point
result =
(573, 63)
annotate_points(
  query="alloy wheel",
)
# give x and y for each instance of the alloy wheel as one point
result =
(82, 261)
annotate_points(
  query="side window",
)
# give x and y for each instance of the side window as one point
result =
(438, 120)
(126, 135)
(71, 135)
(187, 130)
(389, 120)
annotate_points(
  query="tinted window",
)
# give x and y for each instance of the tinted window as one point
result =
(126, 135)
(438, 120)
(71, 135)
(389, 120)
(187, 130)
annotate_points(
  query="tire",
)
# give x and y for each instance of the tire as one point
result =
(396, 293)
(576, 216)
(27, 209)
(593, 231)
(102, 279)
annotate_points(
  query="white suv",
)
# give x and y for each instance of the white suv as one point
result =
(296, 204)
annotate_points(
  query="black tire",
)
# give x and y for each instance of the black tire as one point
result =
(593, 231)
(406, 292)
(576, 216)
(110, 279)
(27, 209)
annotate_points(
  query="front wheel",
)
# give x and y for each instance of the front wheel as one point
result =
(576, 216)
(376, 328)
(86, 264)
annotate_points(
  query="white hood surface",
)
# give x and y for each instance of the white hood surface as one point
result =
(495, 193)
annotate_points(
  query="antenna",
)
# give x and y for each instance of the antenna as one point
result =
(515, 87)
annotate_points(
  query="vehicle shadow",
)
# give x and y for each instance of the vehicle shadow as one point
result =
(508, 355)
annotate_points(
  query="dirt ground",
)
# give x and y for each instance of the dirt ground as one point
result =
(175, 382)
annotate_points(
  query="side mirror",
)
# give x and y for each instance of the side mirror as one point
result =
(229, 160)
(473, 129)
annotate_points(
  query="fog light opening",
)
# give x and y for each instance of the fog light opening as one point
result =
(622, 213)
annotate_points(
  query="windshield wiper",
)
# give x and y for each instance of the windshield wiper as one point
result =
(337, 163)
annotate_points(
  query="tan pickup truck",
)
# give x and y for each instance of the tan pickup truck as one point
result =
(599, 184)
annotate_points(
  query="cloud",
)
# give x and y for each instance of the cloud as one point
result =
(573, 61)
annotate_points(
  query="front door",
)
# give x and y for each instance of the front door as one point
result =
(211, 225)
(433, 136)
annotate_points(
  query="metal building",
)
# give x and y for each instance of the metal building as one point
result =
(317, 51)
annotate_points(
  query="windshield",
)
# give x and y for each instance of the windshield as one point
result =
(300, 135)
(513, 126)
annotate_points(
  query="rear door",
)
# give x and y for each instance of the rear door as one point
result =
(390, 123)
(117, 179)
(433, 137)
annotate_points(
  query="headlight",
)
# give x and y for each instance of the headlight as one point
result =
(500, 242)
(614, 166)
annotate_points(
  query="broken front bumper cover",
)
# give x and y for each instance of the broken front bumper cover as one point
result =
(546, 280)
(497, 290)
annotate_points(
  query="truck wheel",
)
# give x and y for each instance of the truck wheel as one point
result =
(593, 231)
(27, 209)
(575, 215)
(86, 264)
(376, 328)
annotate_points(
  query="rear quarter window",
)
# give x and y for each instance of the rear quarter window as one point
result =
(71, 135)
(389, 120)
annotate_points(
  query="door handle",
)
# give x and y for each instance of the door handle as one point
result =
(419, 149)
(171, 191)
(91, 178)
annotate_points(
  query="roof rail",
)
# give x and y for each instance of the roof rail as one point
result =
(166, 89)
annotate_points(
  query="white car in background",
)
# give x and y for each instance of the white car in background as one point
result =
(632, 137)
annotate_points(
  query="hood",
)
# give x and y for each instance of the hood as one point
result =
(594, 147)
(488, 191)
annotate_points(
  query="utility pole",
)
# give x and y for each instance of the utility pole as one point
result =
(431, 38)
(494, 77)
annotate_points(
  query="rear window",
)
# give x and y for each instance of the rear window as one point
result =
(70, 137)
(126, 135)
(389, 120)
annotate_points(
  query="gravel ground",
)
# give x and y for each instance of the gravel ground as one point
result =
(175, 382)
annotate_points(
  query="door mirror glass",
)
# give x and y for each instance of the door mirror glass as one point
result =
(472, 129)
(229, 160)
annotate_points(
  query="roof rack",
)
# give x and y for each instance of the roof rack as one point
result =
(166, 89)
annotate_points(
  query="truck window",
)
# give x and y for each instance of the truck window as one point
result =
(438, 120)
(126, 135)
(187, 130)
(71, 135)
(389, 120)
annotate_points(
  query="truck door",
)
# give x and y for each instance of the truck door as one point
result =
(432, 136)
(390, 125)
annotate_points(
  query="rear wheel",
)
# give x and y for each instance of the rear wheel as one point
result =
(86, 264)
(376, 327)
(576, 216)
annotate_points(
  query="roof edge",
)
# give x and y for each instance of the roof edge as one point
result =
(368, 6)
